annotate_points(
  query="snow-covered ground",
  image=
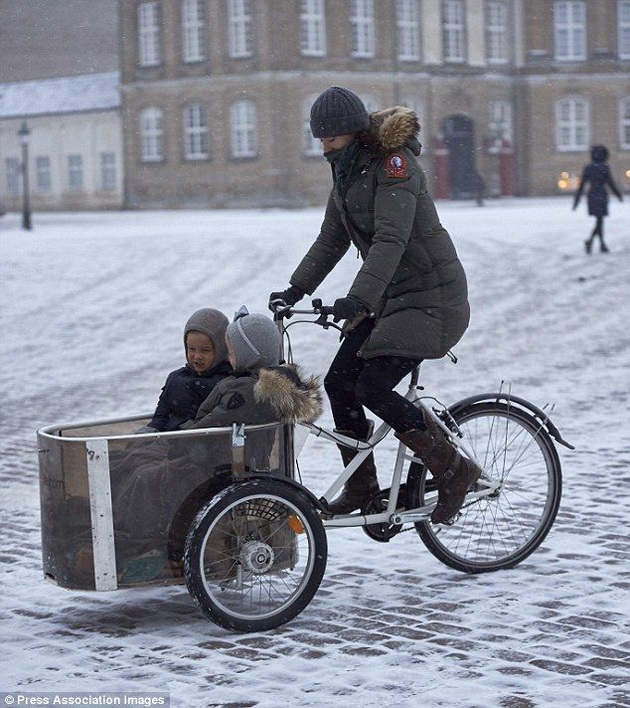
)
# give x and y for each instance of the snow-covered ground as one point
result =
(92, 309)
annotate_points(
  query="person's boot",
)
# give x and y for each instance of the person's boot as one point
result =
(454, 474)
(588, 245)
(604, 248)
(361, 486)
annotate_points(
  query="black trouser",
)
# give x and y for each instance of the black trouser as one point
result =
(353, 382)
(598, 230)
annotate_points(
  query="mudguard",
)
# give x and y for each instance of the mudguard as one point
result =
(512, 400)
(286, 481)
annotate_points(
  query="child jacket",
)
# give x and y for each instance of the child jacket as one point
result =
(267, 395)
(184, 391)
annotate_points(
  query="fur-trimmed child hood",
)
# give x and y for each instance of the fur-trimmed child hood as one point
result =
(293, 398)
(391, 129)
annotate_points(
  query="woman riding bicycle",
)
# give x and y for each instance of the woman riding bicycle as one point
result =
(408, 302)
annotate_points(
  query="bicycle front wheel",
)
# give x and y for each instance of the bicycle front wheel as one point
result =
(521, 466)
(255, 556)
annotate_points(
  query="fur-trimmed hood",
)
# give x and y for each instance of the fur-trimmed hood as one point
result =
(294, 399)
(391, 129)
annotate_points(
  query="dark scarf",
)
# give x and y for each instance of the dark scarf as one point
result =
(341, 161)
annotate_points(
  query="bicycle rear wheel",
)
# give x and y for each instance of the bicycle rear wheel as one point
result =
(255, 556)
(522, 464)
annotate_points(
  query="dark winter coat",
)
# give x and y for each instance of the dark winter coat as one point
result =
(268, 395)
(411, 277)
(184, 391)
(597, 175)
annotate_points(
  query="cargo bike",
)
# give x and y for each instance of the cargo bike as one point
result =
(233, 522)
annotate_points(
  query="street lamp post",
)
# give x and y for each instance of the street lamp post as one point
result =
(24, 134)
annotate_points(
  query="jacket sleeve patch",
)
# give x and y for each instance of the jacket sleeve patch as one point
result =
(396, 165)
(236, 400)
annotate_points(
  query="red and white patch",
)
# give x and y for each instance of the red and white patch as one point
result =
(396, 166)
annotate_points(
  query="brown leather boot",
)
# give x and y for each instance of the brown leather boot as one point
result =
(454, 474)
(361, 486)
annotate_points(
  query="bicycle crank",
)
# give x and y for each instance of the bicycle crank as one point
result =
(377, 504)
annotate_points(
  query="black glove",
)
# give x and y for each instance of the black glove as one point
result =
(347, 308)
(289, 296)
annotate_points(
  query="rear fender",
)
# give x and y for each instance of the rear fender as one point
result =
(286, 481)
(511, 400)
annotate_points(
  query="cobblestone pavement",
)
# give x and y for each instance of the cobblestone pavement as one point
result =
(389, 625)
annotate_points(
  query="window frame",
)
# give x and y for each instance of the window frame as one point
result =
(363, 38)
(196, 133)
(239, 30)
(623, 30)
(454, 32)
(193, 24)
(311, 146)
(243, 130)
(151, 135)
(497, 32)
(43, 174)
(505, 119)
(624, 123)
(570, 34)
(12, 176)
(408, 30)
(149, 37)
(571, 127)
(76, 172)
(108, 170)
(312, 36)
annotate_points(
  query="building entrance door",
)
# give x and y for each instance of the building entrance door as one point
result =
(458, 137)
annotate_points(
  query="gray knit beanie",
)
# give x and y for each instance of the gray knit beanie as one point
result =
(255, 340)
(338, 111)
(213, 323)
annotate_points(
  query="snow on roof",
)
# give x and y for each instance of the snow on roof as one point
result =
(68, 94)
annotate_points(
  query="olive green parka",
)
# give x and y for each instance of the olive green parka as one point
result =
(411, 277)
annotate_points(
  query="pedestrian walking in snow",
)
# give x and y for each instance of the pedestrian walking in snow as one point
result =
(597, 175)
(407, 303)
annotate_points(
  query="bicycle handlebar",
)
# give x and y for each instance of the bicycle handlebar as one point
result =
(280, 309)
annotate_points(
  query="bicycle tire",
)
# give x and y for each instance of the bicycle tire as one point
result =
(255, 556)
(501, 530)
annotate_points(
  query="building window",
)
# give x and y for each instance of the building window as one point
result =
(193, 32)
(570, 30)
(239, 28)
(108, 170)
(13, 171)
(500, 120)
(152, 135)
(312, 28)
(195, 133)
(148, 34)
(572, 124)
(624, 124)
(75, 172)
(43, 183)
(454, 30)
(408, 29)
(362, 26)
(243, 129)
(310, 146)
(412, 101)
(496, 32)
(623, 24)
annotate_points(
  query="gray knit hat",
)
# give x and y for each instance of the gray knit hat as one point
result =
(213, 323)
(255, 340)
(338, 111)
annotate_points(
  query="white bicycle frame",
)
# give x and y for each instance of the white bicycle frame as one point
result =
(392, 514)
